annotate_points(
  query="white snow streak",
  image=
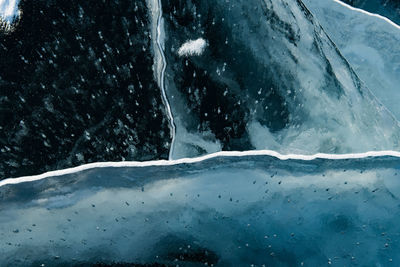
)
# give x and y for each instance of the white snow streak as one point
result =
(192, 47)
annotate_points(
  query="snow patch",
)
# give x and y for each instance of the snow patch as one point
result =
(192, 47)
(8, 9)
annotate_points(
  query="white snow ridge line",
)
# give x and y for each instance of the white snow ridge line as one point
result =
(198, 159)
(368, 13)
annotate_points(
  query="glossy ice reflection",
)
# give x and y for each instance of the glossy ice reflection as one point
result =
(226, 211)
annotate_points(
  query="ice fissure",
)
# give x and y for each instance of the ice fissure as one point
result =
(162, 76)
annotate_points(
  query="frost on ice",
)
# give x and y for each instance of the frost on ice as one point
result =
(192, 48)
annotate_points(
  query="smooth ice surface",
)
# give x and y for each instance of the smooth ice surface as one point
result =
(8, 9)
(369, 42)
(269, 78)
(225, 210)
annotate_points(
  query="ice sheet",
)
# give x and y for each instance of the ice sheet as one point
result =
(226, 210)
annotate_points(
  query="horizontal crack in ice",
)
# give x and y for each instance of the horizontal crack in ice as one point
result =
(199, 159)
